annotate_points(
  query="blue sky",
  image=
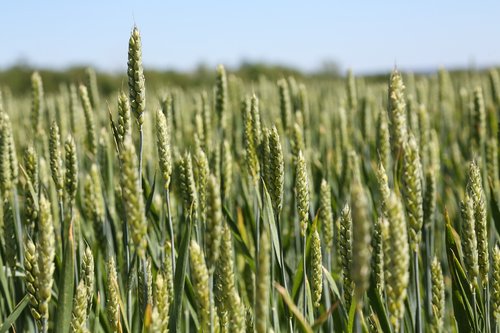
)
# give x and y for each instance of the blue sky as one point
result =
(367, 36)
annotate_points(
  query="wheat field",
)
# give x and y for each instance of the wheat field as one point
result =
(346, 204)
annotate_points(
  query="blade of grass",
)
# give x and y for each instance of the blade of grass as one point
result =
(331, 283)
(11, 319)
(238, 240)
(66, 286)
(268, 216)
(303, 326)
(179, 279)
(352, 314)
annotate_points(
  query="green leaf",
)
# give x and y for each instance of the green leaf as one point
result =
(378, 306)
(460, 291)
(5, 286)
(495, 208)
(238, 240)
(303, 326)
(299, 272)
(151, 195)
(310, 313)
(66, 286)
(268, 216)
(114, 130)
(352, 314)
(331, 282)
(179, 279)
(324, 316)
(15, 314)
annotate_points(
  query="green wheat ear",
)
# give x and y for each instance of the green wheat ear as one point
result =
(79, 314)
(135, 73)
(201, 173)
(479, 119)
(6, 177)
(262, 285)
(256, 122)
(397, 112)
(438, 300)
(164, 149)
(383, 186)
(285, 105)
(378, 254)
(276, 170)
(88, 112)
(91, 79)
(199, 275)
(71, 173)
(492, 161)
(383, 140)
(160, 315)
(88, 275)
(468, 239)
(133, 198)
(326, 214)
(11, 151)
(221, 96)
(316, 269)
(361, 236)
(398, 259)
(168, 273)
(251, 152)
(37, 102)
(207, 119)
(56, 159)
(188, 186)
(476, 193)
(213, 223)
(345, 249)
(413, 198)
(228, 301)
(44, 278)
(302, 193)
(352, 98)
(495, 282)
(31, 188)
(113, 296)
(123, 117)
(31, 273)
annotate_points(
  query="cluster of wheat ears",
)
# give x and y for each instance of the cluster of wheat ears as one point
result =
(347, 205)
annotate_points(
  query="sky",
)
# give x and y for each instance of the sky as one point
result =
(365, 36)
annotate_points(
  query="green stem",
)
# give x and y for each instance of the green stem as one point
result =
(127, 262)
(283, 273)
(45, 325)
(171, 230)
(144, 290)
(357, 322)
(487, 307)
(418, 310)
(305, 276)
(19, 229)
(474, 307)
(326, 292)
(274, 303)
(141, 139)
(257, 243)
(210, 299)
(61, 221)
(427, 262)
